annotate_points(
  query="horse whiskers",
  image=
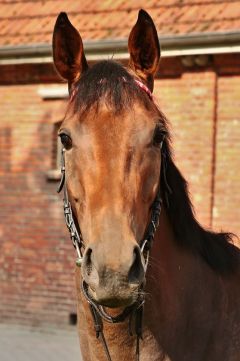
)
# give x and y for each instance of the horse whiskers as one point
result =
(147, 295)
(154, 264)
(141, 294)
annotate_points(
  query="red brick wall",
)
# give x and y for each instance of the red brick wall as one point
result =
(203, 109)
(36, 255)
(226, 210)
(188, 103)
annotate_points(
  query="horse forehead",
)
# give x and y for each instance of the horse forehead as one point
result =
(133, 124)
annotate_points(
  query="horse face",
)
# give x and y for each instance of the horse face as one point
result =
(113, 171)
(112, 159)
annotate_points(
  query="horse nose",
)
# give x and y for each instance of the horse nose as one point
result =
(136, 272)
(106, 269)
(89, 271)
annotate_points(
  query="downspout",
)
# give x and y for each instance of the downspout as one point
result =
(214, 150)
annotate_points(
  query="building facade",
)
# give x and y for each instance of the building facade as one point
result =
(197, 88)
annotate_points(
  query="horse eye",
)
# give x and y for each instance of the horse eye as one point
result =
(66, 140)
(158, 136)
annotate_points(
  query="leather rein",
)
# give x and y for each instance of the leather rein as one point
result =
(135, 311)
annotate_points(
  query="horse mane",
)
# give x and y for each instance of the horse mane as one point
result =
(215, 248)
(118, 88)
(108, 81)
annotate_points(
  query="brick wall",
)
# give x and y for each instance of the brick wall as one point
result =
(203, 109)
(226, 207)
(36, 256)
(188, 103)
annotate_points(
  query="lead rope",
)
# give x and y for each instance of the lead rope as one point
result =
(99, 314)
(98, 325)
(138, 329)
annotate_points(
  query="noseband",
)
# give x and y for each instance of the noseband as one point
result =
(134, 311)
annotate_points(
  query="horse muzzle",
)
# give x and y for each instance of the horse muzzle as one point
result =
(113, 281)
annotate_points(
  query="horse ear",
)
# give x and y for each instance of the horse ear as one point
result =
(144, 48)
(68, 53)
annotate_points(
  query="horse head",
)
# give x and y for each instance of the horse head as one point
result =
(112, 134)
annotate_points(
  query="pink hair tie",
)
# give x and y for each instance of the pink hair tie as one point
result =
(73, 94)
(138, 82)
(145, 88)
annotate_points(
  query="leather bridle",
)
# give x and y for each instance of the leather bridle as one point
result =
(134, 311)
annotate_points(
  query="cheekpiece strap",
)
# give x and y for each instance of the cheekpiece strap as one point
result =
(154, 222)
(76, 237)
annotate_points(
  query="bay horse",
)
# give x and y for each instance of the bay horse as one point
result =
(127, 207)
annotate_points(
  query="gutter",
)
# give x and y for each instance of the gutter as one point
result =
(179, 45)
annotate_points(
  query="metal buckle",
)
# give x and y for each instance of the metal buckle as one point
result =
(80, 257)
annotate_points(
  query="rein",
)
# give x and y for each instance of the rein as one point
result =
(134, 311)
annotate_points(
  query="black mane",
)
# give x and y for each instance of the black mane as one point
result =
(118, 88)
(110, 81)
(216, 249)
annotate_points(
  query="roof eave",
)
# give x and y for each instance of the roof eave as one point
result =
(189, 44)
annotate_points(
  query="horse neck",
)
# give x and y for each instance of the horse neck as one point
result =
(185, 308)
(167, 277)
(181, 293)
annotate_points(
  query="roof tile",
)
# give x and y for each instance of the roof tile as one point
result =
(32, 21)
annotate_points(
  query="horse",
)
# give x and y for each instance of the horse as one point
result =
(152, 283)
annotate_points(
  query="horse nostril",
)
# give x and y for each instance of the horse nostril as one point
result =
(136, 272)
(88, 261)
(89, 271)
